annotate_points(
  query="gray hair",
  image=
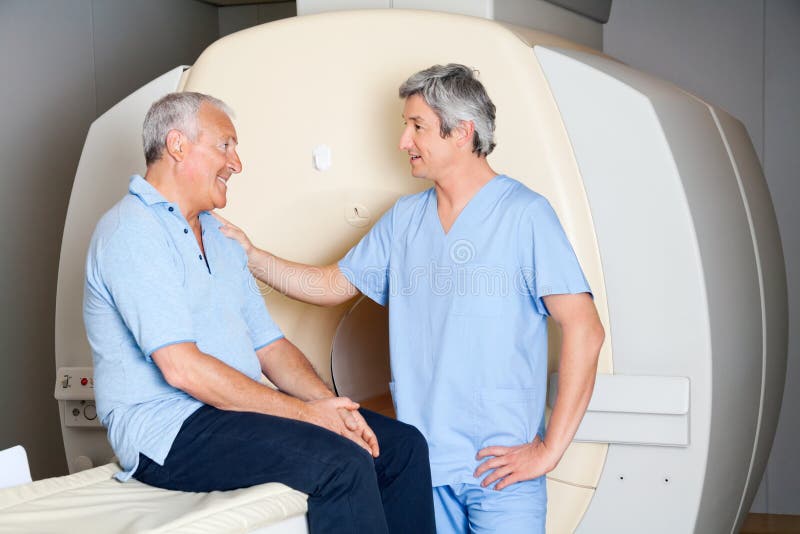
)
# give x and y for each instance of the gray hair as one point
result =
(455, 94)
(175, 111)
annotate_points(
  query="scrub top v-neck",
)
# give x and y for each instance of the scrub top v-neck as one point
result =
(467, 323)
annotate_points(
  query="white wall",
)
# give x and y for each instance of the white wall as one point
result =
(63, 63)
(742, 56)
(137, 41)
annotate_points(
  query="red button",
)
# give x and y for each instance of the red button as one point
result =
(84, 381)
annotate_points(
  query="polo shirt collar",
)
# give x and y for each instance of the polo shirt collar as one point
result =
(144, 190)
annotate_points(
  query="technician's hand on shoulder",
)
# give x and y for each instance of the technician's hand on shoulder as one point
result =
(232, 231)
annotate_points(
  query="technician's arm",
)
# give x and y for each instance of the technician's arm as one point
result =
(324, 286)
(212, 382)
(582, 336)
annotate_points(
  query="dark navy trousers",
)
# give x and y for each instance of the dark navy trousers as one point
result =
(348, 490)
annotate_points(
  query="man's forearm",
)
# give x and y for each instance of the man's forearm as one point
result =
(323, 286)
(576, 376)
(288, 368)
(212, 382)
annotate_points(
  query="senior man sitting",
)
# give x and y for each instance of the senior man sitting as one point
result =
(180, 336)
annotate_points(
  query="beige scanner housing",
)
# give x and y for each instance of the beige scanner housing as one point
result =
(660, 193)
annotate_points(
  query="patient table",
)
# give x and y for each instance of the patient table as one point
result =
(92, 501)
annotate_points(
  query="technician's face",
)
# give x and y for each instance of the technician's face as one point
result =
(213, 158)
(430, 154)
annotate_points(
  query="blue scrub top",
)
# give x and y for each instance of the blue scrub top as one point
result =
(148, 285)
(467, 323)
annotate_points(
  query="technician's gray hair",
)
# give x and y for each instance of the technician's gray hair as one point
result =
(455, 95)
(175, 111)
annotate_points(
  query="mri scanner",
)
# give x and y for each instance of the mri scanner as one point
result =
(660, 193)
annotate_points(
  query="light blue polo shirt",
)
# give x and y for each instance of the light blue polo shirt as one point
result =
(148, 285)
(467, 323)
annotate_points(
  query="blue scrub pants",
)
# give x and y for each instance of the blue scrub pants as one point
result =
(348, 491)
(470, 508)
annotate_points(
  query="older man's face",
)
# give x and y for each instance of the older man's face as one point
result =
(430, 155)
(213, 158)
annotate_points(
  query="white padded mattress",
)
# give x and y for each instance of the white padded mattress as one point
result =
(93, 502)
